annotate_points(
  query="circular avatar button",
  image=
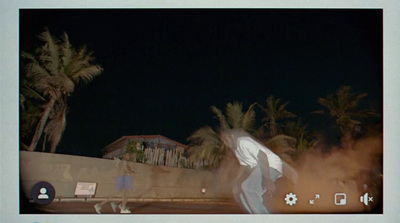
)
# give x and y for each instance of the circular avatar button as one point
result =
(43, 193)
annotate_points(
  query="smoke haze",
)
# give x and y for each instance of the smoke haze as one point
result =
(354, 172)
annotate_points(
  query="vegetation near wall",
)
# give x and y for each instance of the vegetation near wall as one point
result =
(136, 152)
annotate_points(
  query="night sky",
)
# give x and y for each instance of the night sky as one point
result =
(164, 68)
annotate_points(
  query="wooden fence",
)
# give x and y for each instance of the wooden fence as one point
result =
(167, 157)
(164, 157)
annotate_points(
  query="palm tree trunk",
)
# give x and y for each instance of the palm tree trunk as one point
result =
(41, 124)
(273, 128)
(44, 142)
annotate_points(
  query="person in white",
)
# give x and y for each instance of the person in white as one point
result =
(260, 169)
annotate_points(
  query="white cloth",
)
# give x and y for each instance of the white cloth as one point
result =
(247, 151)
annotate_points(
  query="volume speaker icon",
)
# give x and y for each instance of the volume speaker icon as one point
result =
(365, 199)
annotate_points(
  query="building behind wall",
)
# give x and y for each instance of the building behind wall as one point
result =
(118, 147)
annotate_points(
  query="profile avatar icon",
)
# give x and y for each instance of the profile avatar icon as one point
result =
(43, 194)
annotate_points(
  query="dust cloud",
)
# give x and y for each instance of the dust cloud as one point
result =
(322, 175)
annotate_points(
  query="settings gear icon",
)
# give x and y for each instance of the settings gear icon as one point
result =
(291, 199)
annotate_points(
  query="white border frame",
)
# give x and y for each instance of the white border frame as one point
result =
(9, 175)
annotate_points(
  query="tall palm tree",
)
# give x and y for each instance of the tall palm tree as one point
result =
(206, 143)
(54, 70)
(344, 108)
(274, 111)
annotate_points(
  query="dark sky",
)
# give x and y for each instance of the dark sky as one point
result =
(164, 68)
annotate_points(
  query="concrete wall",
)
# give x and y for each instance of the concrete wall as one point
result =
(64, 171)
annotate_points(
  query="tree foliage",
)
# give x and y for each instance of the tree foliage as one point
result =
(274, 112)
(205, 143)
(135, 152)
(53, 71)
(343, 107)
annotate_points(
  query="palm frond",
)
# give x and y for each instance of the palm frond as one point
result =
(331, 104)
(28, 56)
(248, 119)
(87, 74)
(234, 114)
(282, 106)
(194, 152)
(34, 69)
(261, 107)
(29, 92)
(50, 56)
(65, 84)
(79, 62)
(204, 134)
(222, 120)
(67, 51)
(205, 144)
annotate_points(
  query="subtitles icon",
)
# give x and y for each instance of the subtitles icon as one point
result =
(340, 199)
(365, 199)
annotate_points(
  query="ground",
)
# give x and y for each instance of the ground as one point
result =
(141, 208)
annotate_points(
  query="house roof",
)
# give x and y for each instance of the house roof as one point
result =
(164, 140)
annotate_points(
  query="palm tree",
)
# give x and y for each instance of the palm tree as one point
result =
(206, 143)
(274, 111)
(30, 112)
(235, 118)
(54, 71)
(344, 108)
